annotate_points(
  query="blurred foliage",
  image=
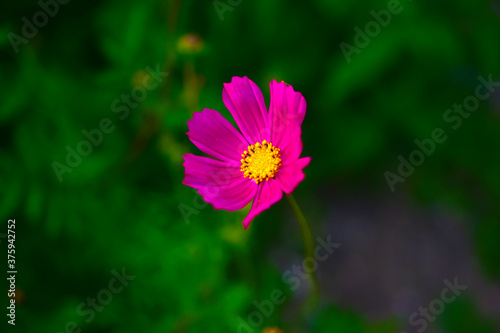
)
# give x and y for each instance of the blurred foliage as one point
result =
(120, 206)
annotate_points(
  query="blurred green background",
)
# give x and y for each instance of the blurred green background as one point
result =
(121, 206)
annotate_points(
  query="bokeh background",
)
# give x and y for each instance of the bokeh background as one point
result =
(121, 206)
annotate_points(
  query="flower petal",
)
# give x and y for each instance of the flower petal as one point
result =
(219, 183)
(244, 100)
(291, 148)
(289, 176)
(216, 136)
(286, 113)
(268, 193)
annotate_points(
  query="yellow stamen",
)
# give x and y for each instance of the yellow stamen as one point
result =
(260, 161)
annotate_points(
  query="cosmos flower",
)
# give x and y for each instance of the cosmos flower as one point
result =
(257, 164)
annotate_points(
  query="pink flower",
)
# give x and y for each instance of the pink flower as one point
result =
(256, 164)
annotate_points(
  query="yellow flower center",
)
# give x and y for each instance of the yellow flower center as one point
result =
(261, 161)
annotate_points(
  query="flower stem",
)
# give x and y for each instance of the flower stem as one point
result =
(308, 250)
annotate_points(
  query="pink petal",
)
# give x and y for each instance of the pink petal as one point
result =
(214, 135)
(244, 100)
(291, 148)
(289, 176)
(286, 113)
(269, 192)
(219, 183)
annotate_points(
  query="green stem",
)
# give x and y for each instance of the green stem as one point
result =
(308, 239)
